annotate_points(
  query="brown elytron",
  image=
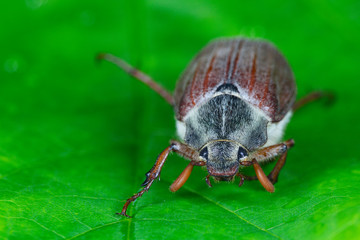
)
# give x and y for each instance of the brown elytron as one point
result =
(232, 104)
(260, 72)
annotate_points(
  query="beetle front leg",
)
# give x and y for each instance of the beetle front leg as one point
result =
(272, 151)
(150, 177)
(189, 153)
(263, 179)
(183, 177)
(263, 155)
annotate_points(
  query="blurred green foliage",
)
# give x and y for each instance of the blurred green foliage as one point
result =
(77, 138)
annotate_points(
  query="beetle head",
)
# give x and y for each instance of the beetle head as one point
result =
(223, 158)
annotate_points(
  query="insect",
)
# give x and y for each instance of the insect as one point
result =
(232, 104)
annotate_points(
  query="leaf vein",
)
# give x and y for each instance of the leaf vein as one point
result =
(232, 212)
(96, 228)
(39, 224)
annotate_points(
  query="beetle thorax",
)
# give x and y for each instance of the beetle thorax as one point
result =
(224, 129)
(224, 116)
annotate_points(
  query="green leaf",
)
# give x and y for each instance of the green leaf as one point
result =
(76, 138)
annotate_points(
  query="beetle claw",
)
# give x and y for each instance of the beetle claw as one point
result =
(272, 179)
(147, 180)
(207, 179)
(241, 181)
(123, 214)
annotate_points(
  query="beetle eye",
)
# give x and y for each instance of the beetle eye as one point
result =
(204, 153)
(242, 153)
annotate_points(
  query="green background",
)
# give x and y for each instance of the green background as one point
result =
(76, 138)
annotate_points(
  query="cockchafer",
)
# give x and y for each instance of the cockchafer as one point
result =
(232, 104)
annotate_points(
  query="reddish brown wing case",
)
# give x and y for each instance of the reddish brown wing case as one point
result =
(258, 70)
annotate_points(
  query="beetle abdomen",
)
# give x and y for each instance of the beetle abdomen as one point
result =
(259, 72)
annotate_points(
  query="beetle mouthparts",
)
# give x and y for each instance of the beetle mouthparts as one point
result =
(222, 173)
(223, 179)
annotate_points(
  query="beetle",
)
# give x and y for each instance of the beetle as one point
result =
(232, 104)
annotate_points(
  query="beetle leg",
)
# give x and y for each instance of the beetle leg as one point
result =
(269, 153)
(265, 182)
(242, 178)
(272, 151)
(138, 75)
(183, 177)
(312, 97)
(260, 175)
(189, 153)
(274, 174)
(150, 177)
(207, 179)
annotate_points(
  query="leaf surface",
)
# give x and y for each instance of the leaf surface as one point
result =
(76, 138)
